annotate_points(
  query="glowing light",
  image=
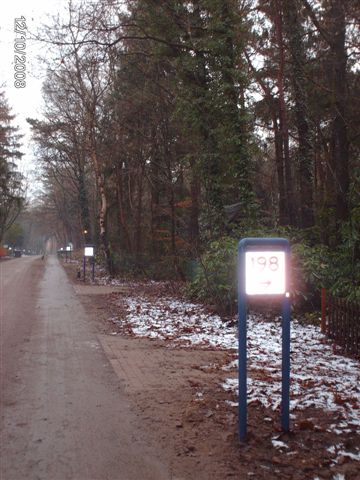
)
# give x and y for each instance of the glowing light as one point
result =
(89, 251)
(265, 273)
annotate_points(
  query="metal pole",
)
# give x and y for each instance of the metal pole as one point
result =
(84, 266)
(285, 394)
(242, 347)
(242, 372)
(93, 269)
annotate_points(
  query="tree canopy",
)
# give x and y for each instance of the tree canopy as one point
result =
(11, 181)
(170, 125)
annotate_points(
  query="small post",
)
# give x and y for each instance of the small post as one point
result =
(89, 252)
(242, 333)
(84, 267)
(93, 268)
(285, 389)
(264, 269)
(323, 310)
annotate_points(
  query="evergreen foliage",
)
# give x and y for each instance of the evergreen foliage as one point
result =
(180, 127)
(11, 181)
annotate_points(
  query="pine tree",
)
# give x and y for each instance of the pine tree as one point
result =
(11, 181)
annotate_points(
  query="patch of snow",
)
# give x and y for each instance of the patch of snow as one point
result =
(230, 384)
(351, 455)
(319, 378)
(279, 444)
(182, 322)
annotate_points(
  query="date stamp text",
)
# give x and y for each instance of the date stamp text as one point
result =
(20, 30)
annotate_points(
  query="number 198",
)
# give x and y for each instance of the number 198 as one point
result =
(261, 263)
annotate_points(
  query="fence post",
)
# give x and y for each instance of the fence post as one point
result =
(323, 310)
(342, 324)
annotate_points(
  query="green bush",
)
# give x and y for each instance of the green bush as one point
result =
(337, 269)
(314, 266)
(215, 278)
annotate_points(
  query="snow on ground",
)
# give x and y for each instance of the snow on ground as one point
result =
(181, 322)
(102, 279)
(319, 377)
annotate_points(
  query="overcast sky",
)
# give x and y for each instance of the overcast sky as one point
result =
(25, 102)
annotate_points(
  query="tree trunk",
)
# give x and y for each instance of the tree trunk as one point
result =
(339, 134)
(155, 192)
(279, 160)
(273, 106)
(83, 202)
(194, 230)
(121, 214)
(284, 127)
(100, 181)
(298, 79)
(139, 208)
(233, 113)
(210, 165)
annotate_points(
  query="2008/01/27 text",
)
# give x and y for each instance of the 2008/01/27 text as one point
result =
(20, 52)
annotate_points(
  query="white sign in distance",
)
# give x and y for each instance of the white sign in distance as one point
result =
(265, 273)
(89, 252)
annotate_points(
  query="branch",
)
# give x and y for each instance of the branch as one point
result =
(121, 38)
(316, 22)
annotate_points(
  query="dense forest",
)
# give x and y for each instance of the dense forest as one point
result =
(173, 129)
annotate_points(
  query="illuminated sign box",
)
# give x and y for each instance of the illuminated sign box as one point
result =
(265, 272)
(89, 251)
(264, 266)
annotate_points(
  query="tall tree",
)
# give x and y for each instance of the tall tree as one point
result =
(12, 193)
(332, 26)
(293, 23)
(84, 74)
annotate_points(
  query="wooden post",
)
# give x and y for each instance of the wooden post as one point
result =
(323, 310)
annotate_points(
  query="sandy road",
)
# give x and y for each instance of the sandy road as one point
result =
(64, 413)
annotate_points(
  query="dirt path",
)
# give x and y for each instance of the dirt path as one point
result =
(64, 413)
(83, 399)
(176, 392)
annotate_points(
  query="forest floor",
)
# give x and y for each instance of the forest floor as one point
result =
(178, 363)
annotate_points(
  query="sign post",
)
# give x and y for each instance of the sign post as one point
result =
(263, 270)
(89, 253)
(70, 248)
(68, 251)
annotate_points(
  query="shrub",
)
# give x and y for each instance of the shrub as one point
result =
(215, 278)
(313, 267)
